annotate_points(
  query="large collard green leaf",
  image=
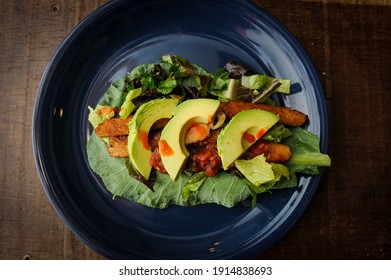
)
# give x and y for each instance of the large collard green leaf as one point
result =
(223, 189)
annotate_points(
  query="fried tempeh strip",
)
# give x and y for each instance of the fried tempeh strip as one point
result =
(273, 152)
(119, 127)
(113, 127)
(118, 146)
(287, 115)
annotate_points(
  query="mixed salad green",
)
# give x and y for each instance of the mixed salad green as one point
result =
(177, 78)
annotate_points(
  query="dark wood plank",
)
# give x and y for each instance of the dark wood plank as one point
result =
(349, 217)
(30, 33)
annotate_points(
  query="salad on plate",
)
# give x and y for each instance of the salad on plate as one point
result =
(171, 133)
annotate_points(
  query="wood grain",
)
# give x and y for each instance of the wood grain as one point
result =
(349, 217)
(30, 33)
(349, 43)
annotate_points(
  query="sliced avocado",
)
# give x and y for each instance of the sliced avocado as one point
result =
(144, 118)
(241, 132)
(171, 145)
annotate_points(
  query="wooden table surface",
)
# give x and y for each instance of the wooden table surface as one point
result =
(349, 43)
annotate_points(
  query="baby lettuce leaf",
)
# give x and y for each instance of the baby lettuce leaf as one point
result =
(127, 107)
(184, 66)
(256, 170)
(262, 82)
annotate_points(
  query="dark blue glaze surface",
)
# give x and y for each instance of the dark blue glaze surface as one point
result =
(104, 47)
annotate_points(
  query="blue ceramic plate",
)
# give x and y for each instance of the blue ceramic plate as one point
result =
(103, 48)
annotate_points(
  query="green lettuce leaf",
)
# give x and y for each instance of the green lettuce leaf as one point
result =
(256, 170)
(262, 82)
(262, 175)
(128, 106)
(279, 171)
(184, 66)
(220, 84)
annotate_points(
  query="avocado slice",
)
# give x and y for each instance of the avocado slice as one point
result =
(244, 129)
(172, 141)
(144, 118)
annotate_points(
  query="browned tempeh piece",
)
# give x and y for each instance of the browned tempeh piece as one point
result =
(107, 111)
(273, 152)
(119, 127)
(287, 115)
(113, 127)
(118, 146)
